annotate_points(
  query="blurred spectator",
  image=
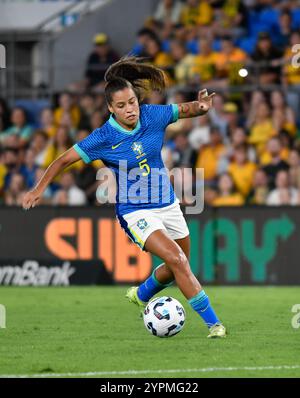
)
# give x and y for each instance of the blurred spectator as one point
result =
(276, 164)
(159, 58)
(15, 191)
(196, 13)
(168, 11)
(266, 157)
(96, 120)
(294, 171)
(85, 175)
(87, 108)
(181, 152)
(292, 69)
(239, 138)
(285, 28)
(242, 170)
(12, 164)
(67, 113)
(230, 112)
(231, 17)
(283, 115)
(283, 194)
(257, 97)
(99, 60)
(204, 63)
(229, 61)
(217, 114)
(262, 128)
(85, 179)
(19, 127)
(227, 194)
(143, 35)
(260, 190)
(184, 62)
(200, 134)
(39, 145)
(268, 58)
(47, 122)
(69, 194)
(29, 168)
(210, 155)
(61, 142)
(179, 32)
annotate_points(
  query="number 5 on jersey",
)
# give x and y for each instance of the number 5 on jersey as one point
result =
(144, 165)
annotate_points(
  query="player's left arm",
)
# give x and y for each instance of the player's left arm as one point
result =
(196, 108)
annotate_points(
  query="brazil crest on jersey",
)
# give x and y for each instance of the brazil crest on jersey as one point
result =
(135, 158)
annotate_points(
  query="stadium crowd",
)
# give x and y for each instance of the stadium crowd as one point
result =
(248, 144)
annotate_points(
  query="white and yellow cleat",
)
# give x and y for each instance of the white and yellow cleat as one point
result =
(133, 298)
(217, 330)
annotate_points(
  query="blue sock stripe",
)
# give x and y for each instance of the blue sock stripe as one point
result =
(201, 304)
(198, 298)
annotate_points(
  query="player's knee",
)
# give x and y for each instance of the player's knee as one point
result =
(176, 260)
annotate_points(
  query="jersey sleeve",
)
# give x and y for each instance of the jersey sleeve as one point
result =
(89, 149)
(164, 115)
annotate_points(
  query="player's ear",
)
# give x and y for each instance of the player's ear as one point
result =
(110, 108)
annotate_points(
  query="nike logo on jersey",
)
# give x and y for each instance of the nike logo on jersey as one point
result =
(116, 146)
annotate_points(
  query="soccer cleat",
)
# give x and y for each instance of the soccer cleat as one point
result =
(133, 298)
(217, 330)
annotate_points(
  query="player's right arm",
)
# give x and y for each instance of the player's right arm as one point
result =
(32, 197)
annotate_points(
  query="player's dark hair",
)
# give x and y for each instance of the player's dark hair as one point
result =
(134, 73)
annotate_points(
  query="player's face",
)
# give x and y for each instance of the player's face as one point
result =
(125, 107)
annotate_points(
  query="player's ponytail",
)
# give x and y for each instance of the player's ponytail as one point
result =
(132, 72)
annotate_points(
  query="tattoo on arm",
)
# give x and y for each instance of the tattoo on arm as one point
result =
(189, 109)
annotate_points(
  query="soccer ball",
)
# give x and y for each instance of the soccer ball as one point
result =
(164, 316)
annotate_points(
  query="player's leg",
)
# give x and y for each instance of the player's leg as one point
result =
(138, 226)
(160, 278)
(159, 244)
(163, 272)
(166, 218)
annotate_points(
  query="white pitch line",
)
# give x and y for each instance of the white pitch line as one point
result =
(157, 371)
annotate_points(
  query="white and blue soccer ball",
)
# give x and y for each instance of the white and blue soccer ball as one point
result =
(164, 316)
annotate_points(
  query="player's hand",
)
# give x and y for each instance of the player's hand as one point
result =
(30, 199)
(205, 100)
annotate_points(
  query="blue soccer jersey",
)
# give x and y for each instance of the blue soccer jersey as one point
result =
(135, 158)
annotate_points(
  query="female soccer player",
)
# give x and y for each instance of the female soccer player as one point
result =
(131, 140)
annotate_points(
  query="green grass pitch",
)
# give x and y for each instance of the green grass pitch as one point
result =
(77, 330)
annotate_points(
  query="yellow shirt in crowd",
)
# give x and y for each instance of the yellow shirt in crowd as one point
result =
(75, 116)
(230, 10)
(242, 176)
(208, 159)
(265, 157)
(225, 62)
(260, 133)
(204, 66)
(200, 15)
